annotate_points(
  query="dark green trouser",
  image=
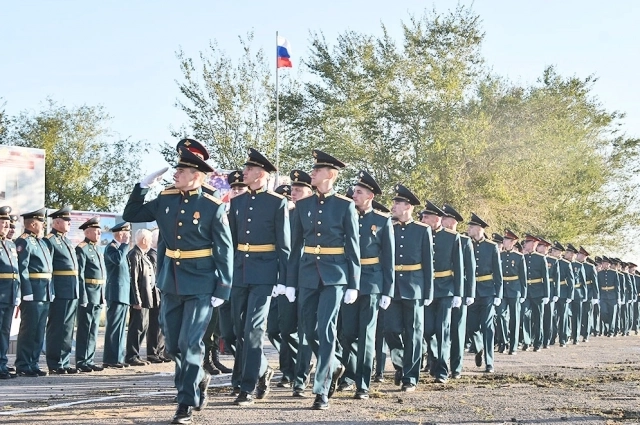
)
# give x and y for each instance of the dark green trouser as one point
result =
(403, 328)
(184, 320)
(509, 322)
(288, 325)
(62, 320)
(227, 332)
(549, 321)
(114, 335)
(212, 333)
(458, 337)
(250, 308)
(88, 322)
(319, 308)
(33, 316)
(480, 318)
(6, 316)
(437, 333)
(562, 309)
(576, 319)
(358, 339)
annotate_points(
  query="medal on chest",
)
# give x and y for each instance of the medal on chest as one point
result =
(196, 216)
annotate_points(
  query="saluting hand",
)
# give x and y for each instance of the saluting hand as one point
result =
(153, 178)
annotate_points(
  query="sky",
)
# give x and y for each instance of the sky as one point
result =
(121, 54)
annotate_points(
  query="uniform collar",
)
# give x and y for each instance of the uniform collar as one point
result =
(191, 192)
(405, 223)
(438, 230)
(116, 242)
(362, 214)
(89, 242)
(255, 192)
(325, 195)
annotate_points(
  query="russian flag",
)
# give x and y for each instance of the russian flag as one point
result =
(284, 58)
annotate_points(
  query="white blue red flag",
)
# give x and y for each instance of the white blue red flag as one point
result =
(284, 50)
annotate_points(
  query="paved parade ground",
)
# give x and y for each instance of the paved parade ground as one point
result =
(593, 383)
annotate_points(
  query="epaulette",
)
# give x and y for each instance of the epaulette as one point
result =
(208, 188)
(277, 195)
(49, 235)
(25, 235)
(537, 253)
(449, 231)
(488, 241)
(212, 198)
(82, 244)
(339, 195)
(383, 214)
(170, 192)
(419, 223)
(113, 244)
(170, 187)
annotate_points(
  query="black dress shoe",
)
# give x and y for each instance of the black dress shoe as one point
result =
(378, 378)
(489, 369)
(59, 371)
(321, 402)
(441, 380)
(40, 372)
(456, 375)
(525, 347)
(155, 360)
(512, 352)
(235, 392)
(345, 386)
(284, 383)
(71, 370)
(85, 369)
(479, 358)
(536, 349)
(11, 369)
(408, 388)
(7, 375)
(183, 415)
(361, 395)
(264, 384)
(113, 365)
(96, 368)
(136, 362)
(244, 399)
(397, 377)
(501, 348)
(29, 373)
(204, 397)
(298, 392)
(165, 359)
(337, 374)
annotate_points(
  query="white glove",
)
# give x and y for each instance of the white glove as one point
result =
(620, 302)
(545, 301)
(279, 289)
(350, 296)
(523, 300)
(569, 300)
(497, 301)
(216, 302)
(385, 302)
(555, 298)
(456, 302)
(17, 301)
(153, 178)
(629, 302)
(84, 305)
(594, 302)
(27, 298)
(469, 300)
(427, 302)
(290, 293)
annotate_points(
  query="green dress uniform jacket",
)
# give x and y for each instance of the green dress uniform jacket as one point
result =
(609, 284)
(9, 295)
(65, 266)
(554, 276)
(489, 280)
(580, 289)
(91, 273)
(413, 284)
(537, 275)
(188, 222)
(469, 267)
(447, 264)
(591, 281)
(376, 242)
(514, 271)
(118, 287)
(567, 279)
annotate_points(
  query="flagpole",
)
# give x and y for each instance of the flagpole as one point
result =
(277, 118)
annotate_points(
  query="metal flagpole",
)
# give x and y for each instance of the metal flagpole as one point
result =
(277, 118)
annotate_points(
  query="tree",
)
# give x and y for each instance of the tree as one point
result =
(85, 164)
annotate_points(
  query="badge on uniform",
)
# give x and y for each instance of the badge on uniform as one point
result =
(196, 216)
(374, 229)
(166, 211)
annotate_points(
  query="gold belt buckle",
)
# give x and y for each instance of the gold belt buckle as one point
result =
(317, 250)
(177, 253)
(400, 267)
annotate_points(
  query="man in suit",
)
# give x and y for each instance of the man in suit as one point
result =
(118, 296)
(92, 277)
(35, 264)
(145, 300)
(489, 292)
(155, 337)
(9, 288)
(196, 270)
(404, 319)
(377, 259)
(64, 308)
(514, 272)
(325, 260)
(448, 290)
(259, 221)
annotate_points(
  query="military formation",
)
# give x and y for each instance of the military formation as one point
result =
(336, 282)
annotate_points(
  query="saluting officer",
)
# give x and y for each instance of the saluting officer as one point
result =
(377, 251)
(9, 288)
(489, 289)
(459, 316)
(118, 296)
(325, 260)
(404, 319)
(259, 221)
(610, 296)
(35, 264)
(196, 270)
(64, 308)
(567, 282)
(514, 275)
(92, 276)
(448, 289)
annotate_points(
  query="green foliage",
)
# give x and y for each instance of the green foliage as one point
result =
(85, 165)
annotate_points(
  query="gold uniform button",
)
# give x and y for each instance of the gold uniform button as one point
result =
(246, 255)
(249, 220)
(186, 201)
(179, 237)
(321, 202)
(177, 263)
(248, 231)
(317, 258)
(317, 234)
(181, 211)
(319, 222)
(250, 208)
(179, 223)
(320, 212)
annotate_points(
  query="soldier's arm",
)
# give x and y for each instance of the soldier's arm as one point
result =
(427, 264)
(24, 254)
(136, 211)
(297, 239)
(556, 277)
(352, 246)
(469, 270)
(522, 275)
(283, 240)
(571, 282)
(458, 268)
(388, 259)
(115, 255)
(222, 253)
(233, 221)
(82, 288)
(497, 271)
(596, 286)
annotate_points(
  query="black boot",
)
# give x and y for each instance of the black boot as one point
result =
(208, 364)
(215, 354)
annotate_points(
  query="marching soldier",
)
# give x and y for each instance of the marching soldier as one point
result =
(9, 288)
(64, 308)
(196, 270)
(118, 297)
(404, 319)
(259, 222)
(534, 249)
(610, 296)
(550, 318)
(92, 277)
(514, 271)
(567, 282)
(376, 287)
(459, 316)
(325, 261)
(634, 306)
(448, 289)
(489, 291)
(579, 293)
(593, 293)
(35, 264)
